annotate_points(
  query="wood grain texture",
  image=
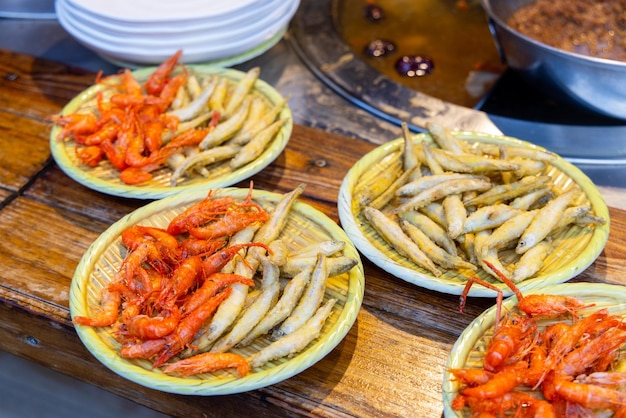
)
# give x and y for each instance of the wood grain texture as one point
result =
(391, 362)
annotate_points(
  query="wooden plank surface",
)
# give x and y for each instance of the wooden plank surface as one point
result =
(390, 364)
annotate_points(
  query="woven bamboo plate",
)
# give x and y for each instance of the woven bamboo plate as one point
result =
(575, 248)
(105, 178)
(305, 226)
(469, 349)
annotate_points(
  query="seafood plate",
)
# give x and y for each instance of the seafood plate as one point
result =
(165, 180)
(573, 247)
(304, 226)
(469, 350)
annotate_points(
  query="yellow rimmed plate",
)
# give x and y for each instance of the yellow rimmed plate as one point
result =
(305, 225)
(469, 349)
(575, 247)
(105, 178)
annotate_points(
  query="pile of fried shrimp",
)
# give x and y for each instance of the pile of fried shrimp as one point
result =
(462, 208)
(190, 124)
(551, 355)
(219, 277)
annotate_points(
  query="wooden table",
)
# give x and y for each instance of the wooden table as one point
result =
(390, 364)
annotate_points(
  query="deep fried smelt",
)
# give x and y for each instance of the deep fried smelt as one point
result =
(274, 226)
(479, 241)
(528, 167)
(328, 248)
(336, 265)
(525, 202)
(440, 191)
(507, 176)
(232, 306)
(203, 159)
(283, 308)
(226, 314)
(589, 220)
(194, 108)
(505, 192)
(243, 236)
(445, 139)
(194, 87)
(480, 164)
(181, 99)
(386, 196)
(581, 216)
(278, 252)
(241, 91)
(430, 160)
(249, 131)
(391, 232)
(190, 124)
(542, 224)
(445, 160)
(217, 99)
(435, 212)
(432, 230)
(374, 182)
(309, 302)
(490, 255)
(255, 312)
(258, 107)
(488, 217)
(436, 253)
(426, 182)
(510, 230)
(208, 363)
(410, 162)
(467, 244)
(226, 129)
(455, 213)
(257, 144)
(518, 151)
(530, 262)
(296, 341)
(409, 159)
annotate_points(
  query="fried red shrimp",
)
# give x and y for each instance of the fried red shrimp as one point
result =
(188, 327)
(150, 328)
(110, 305)
(568, 365)
(201, 213)
(207, 363)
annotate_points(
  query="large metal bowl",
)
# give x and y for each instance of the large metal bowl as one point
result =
(598, 84)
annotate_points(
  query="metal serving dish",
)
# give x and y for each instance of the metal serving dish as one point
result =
(598, 84)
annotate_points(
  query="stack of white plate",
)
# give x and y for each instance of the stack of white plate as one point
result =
(147, 32)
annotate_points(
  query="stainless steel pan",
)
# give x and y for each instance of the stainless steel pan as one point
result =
(598, 84)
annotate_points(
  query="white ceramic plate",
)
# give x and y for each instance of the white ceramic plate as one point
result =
(206, 52)
(105, 178)
(220, 62)
(206, 39)
(138, 11)
(575, 248)
(305, 226)
(244, 17)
